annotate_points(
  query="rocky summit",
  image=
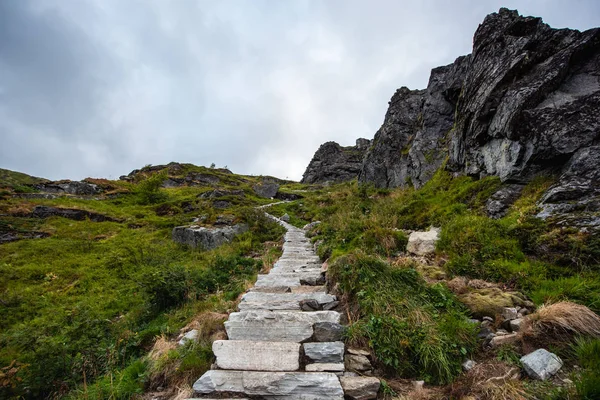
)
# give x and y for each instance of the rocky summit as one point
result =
(524, 103)
(334, 163)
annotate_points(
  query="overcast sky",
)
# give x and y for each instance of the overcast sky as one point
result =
(100, 87)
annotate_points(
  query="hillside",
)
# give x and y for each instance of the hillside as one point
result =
(89, 281)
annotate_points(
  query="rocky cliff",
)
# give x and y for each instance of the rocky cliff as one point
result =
(334, 163)
(525, 102)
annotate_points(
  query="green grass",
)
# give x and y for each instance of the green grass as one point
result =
(414, 329)
(89, 300)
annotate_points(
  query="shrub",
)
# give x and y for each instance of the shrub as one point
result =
(149, 190)
(166, 287)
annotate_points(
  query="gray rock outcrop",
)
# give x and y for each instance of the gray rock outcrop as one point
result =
(333, 163)
(76, 188)
(266, 189)
(525, 102)
(70, 213)
(206, 238)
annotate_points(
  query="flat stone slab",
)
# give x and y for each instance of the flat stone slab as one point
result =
(280, 301)
(276, 326)
(274, 385)
(325, 352)
(257, 356)
(325, 367)
(277, 281)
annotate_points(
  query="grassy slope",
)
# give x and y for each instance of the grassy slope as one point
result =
(79, 300)
(91, 298)
(360, 236)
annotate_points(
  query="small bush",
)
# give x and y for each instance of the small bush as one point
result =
(149, 190)
(166, 287)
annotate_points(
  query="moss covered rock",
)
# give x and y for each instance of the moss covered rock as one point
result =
(490, 301)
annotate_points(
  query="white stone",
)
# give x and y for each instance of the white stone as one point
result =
(276, 326)
(288, 385)
(190, 336)
(325, 367)
(257, 356)
(541, 364)
(423, 243)
(325, 352)
(468, 365)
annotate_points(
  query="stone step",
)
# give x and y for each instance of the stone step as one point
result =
(272, 385)
(280, 301)
(276, 326)
(325, 352)
(249, 355)
(325, 367)
(277, 281)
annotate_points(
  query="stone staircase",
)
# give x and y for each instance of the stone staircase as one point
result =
(273, 351)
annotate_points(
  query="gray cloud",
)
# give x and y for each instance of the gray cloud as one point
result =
(100, 87)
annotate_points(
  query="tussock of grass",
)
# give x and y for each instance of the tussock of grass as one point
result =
(563, 318)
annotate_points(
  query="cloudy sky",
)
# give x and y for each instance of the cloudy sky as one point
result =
(100, 87)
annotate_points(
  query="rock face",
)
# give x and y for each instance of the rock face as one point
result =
(524, 103)
(334, 163)
(206, 238)
(71, 213)
(69, 187)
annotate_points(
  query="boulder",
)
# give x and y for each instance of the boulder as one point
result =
(206, 238)
(189, 336)
(266, 189)
(328, 332)
(325, 352)
(541, 364)
(423, 243)
(359, 387)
